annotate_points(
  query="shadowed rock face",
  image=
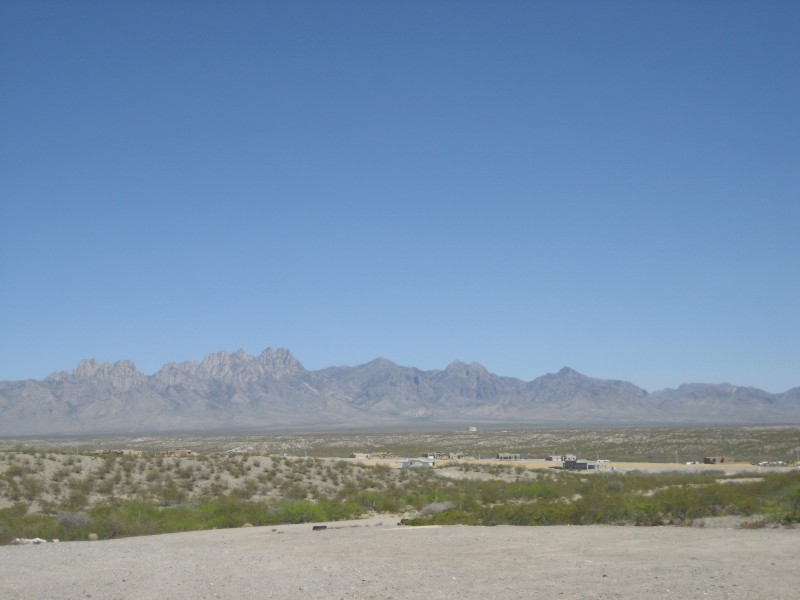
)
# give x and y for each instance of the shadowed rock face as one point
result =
(273, 390)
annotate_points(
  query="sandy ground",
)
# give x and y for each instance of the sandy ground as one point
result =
(646, 467)
(377, 559)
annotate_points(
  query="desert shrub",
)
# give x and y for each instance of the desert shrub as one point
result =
(31, 488)
(234, 468)
(783, 503)
(105, 467)
(396, 496)
(105, 487)
(491, 492)
(347, 491)
(435, 508)
(226, 512)
(215, 489)
(792, 501)
(302, 511)
(14, 471)
(16, 522)
(48, 507)
(350, 490)
(123, 519)
(448, 517)
(293, 490)
(60, 474)
(84, 485)
(686, 502)
(168, 494)
(509, 514)
(12, 490)
(531, 490)
(378, 502)
(74, 520)
(247, 490)
(11, 520)
(600, 506)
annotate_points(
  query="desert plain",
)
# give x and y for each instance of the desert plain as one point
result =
(377, 557)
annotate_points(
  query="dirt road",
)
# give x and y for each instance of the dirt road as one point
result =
(378, 559)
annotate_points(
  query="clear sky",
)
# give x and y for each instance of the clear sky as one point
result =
(610, 186)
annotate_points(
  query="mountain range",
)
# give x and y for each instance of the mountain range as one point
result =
(273, 391)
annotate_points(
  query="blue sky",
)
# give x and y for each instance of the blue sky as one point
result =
(612, 186)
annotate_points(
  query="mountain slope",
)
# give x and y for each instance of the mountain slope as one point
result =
(274, 390)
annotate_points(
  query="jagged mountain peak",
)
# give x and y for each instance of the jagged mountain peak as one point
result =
(224, 360)
(381, 363)
(239, 366)
(280, 362)
(564, 376)
(462, 369)
(121, 375)
(86, 368)
(92, 368)
(569, 372)
(235, 389)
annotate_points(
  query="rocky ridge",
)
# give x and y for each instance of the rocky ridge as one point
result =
(273, 390)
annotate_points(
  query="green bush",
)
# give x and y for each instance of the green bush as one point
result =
(16, 522)
(173, 495)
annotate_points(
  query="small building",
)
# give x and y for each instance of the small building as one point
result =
(119, 452)
(181, 452)
(716, 460)
(508, 456)
(417, 463)
(442, 455)
(583, 465)
(472, 429)
(560, 457)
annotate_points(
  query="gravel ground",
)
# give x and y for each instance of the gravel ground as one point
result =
(377, 559)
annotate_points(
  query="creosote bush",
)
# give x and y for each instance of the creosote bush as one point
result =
(136, 495)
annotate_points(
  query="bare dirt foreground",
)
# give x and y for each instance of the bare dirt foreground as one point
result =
(377, 559)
